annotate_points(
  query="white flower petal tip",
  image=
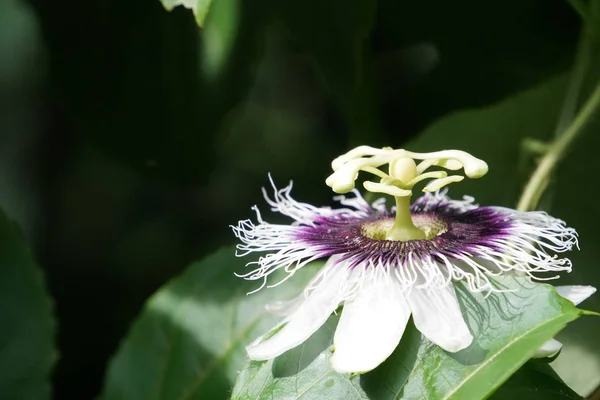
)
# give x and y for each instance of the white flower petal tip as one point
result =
(370, 327)
(457, 343)
(575, 293)
(548, 349)
(344, 367)
(310, 315)
(437, 314)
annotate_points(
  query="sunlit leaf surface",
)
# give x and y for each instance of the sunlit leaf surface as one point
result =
(496, 134)
(508, 328)
(199, 7)
(188, 342)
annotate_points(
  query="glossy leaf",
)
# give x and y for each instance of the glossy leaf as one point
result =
(199, 7)
(508, 328)
(27, 352)
(189, 341)
(497, 134)
(535, 380)
(303, 372)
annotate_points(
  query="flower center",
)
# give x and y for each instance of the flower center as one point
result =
(431, 227)
(403, 174)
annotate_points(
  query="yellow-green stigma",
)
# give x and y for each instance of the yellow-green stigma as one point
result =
(403, 174)
(378, 230)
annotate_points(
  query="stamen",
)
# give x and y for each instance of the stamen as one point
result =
(402, 176)
(437, 184)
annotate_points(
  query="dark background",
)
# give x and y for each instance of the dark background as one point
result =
(130, 139)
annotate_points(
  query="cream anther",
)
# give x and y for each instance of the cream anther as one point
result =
(440, 183)
(387, 189)
(403, 174)
(358, 152)
(428, 175)
(402, 168)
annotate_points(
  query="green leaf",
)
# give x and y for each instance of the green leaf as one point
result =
(199, 7)
(27, 352)
(189, 341)
(496, 134)
(303, 372)
(221, 31)
(535, 380)
(508, 328)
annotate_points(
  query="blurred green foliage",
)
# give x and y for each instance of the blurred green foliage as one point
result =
(27, 351)
(130, 139)
(188, 343)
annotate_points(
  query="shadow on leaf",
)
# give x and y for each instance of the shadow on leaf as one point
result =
(297, 359)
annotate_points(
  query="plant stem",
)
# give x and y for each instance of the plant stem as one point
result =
(582, 65)
(538, 181)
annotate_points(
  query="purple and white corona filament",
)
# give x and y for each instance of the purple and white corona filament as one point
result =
(384, 265)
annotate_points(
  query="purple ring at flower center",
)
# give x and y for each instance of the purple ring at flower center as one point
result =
(452, 233)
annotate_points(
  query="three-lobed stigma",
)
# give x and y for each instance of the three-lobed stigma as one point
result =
(402, 175)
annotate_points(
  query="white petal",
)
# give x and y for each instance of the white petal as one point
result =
(309, 317)
(437, 315)
(576, 294)
(285, 308)
(370, 327)
(548, 349)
